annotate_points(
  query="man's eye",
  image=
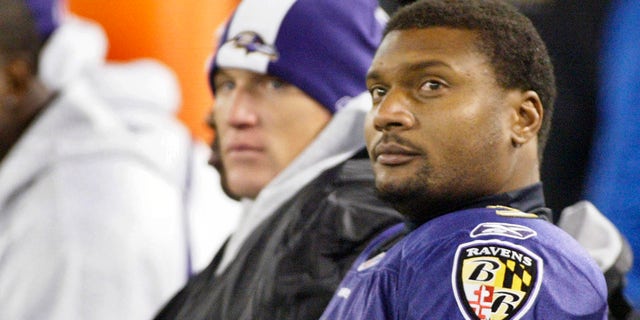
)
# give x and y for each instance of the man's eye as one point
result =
(431, 85)
(224, 85)
(377, 92)
(276, 83)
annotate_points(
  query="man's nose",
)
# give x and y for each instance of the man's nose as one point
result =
(242, 109)
(393, 112)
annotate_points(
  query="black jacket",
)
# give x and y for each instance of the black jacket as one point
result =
(293, 262)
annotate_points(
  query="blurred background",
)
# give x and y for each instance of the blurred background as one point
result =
(180, 33)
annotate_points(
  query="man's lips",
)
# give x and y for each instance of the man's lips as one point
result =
(393, 154)
(241, 148)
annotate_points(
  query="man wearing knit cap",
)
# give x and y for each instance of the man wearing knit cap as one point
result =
(93, 171)
(288, 79)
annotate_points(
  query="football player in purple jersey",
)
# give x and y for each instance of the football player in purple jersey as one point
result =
(463, 94)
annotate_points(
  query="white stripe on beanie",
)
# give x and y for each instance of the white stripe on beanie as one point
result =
(251, 15)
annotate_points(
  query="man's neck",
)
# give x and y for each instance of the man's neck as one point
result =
(527, 199)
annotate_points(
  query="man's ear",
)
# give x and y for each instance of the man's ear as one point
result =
(528, 118)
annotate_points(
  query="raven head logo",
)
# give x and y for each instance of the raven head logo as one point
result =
(253, 43)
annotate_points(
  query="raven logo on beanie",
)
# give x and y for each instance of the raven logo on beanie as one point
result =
(252, 43)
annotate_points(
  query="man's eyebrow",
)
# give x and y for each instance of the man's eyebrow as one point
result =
(220, 73)
(373, 75)
(426, 64)
(407, 67)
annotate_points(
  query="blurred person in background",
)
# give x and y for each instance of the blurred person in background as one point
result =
(99, 184)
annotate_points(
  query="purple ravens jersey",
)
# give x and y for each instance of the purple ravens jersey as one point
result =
(483, 263)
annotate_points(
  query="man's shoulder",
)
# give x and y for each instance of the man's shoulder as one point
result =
(351, 173)
(76, 131)
(514, 260)
(347, 188)
(500, 234)
(357, 168)
(492, 223)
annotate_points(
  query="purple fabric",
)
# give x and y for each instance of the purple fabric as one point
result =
(420, 277)
(325, 48)
(44, 13)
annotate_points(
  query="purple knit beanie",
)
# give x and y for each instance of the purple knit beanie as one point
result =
(324, 47)
(45, 14)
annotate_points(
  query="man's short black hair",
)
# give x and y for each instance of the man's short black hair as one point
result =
(19, 38)
(508, 38)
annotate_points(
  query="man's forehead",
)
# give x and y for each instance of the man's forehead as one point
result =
(435, 47)
(431, 40)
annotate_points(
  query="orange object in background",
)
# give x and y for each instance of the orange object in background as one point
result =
(180, 33)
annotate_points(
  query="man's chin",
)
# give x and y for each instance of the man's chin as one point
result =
(408, 193)
(400, 197)
(417, 205)
(241, 186)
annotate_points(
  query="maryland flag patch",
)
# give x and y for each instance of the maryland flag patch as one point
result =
(495, 279)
